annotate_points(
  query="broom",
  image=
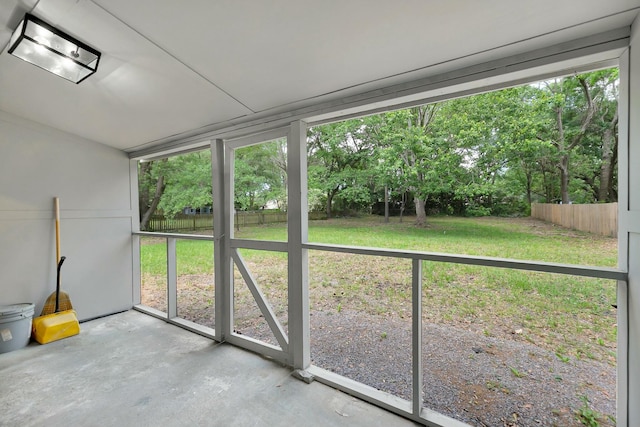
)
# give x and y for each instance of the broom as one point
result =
(57, 301)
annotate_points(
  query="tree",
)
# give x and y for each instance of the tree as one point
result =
(187, 182)
(280, 162)
(260, 175)
(607, 191)
(573, 109)
(605, 127)
(339, 158)
(483, 131)
(509, 150)
(418, 156)
(150, 181)
(174, 183)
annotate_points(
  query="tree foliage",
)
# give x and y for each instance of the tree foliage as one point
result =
(188, 182)
(340, 158)
(260, 176)
(173, 184)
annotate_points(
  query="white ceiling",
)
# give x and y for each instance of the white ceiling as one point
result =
(171, 67)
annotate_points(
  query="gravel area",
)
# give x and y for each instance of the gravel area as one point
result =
(483, 381)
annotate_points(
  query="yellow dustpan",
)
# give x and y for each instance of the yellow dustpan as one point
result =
(58, 325)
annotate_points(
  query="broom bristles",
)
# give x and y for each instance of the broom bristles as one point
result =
(50, 304)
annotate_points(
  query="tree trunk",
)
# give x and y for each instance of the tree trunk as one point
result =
(386, 204)
(606, 170)
(564, 178)
(613, 189)
(528, 174)
(330, 195)
(545, 185)
(154, 203)
(281, 163)
(421, 214)
(565, 147)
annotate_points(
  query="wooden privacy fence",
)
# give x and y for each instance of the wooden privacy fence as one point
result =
(159, 223)
(597, 218)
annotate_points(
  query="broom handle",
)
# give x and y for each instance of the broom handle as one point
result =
(56, 204)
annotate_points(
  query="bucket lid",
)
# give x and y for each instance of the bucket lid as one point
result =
(13, 309)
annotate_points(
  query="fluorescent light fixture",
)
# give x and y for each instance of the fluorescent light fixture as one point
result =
(43, 45)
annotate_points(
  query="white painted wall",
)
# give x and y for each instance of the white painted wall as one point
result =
(92, 180)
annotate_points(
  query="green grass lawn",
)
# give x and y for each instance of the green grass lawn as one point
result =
(570, 315)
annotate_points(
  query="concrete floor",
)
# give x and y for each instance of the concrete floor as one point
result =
(132, 369)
